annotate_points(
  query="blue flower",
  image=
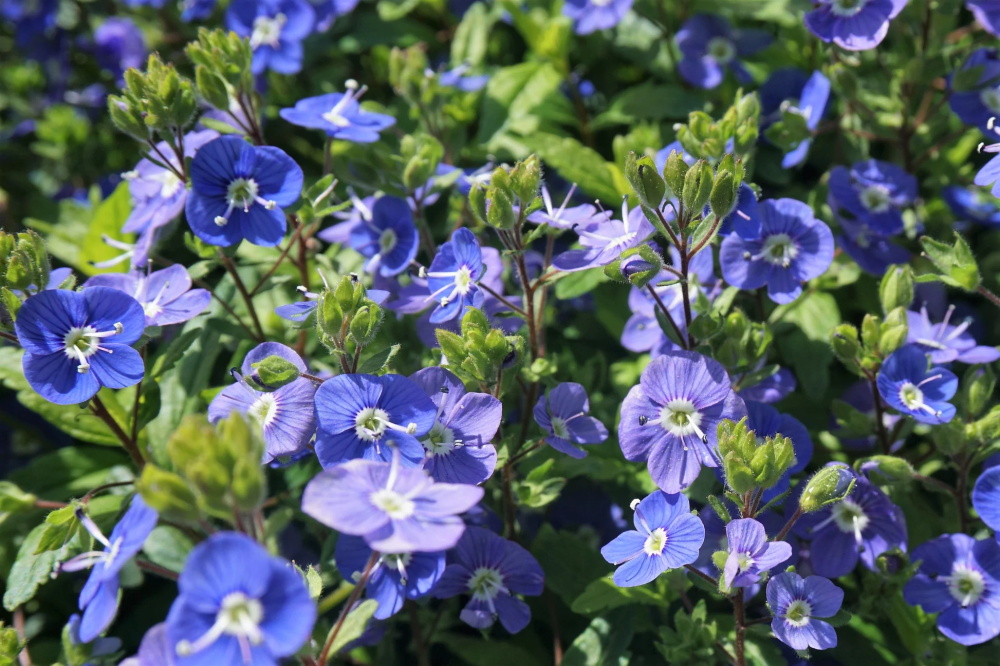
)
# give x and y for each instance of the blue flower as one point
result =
(872, 193)
(99, 596)
(593, 15)
(666, 536)
(854, 25)
(328, 11)
(796, 603)
(389, 238)
(458, 446)
(492, 570)
(395, 577)
(862, 526)
(977, 104)
(276, 29)
(744, 220)
(793, 247)
(457, 78)
(567, 218)
(340, 116)
(563, 415)
(237, 604)
(944, 342)
(285, 417)
(196, 10)
(791, 90)
(770, 389)
(987, 14)
(605, 240)
(364, 416)
(670, 419)
(165, 295)
(909, 386)
(396, 509)
(119, 45)
(454, 275)
(959, 578)
(750, 553)
(238, 191)
(872, 251)
(986, 497)
(709, 45)
(972, 205)
(155, 649)
(77, 342)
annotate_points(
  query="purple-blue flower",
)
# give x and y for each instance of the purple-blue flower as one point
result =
(959, 578)
(492, 570)
(119, 45)
(99, 596)
(910, 385)
(859, 396)
(872, 193)
(670, 418)
(593, 15)
(980, 102)
(666, 536)
(396, 509)
(394, 578)
(750, 553)
(155, 649)
(76, 342)
(793, 247)
(709, 45)
(563, 415)
(238, 191)
(276, 29)
(567, 217)
(862, 526)
(796, 603)
(791, 90)
(987, 14)
(457, 78)
(364, 416)
(854, 25)
(458, 446)
(606, 240)
(944, 342)
(238, 604)
(165, 295)
(454, 275)
(874, 252)
(285, 416)
(340, 116)
(389, 238)
(328, 11)
(972, 205)
(770, 389)
(986, 497)
(196, 10)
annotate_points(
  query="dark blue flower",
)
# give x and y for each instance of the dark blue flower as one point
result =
(396, 509)
(854, 25)
(155, 649)
(709, 45)
(592, 15)
(666, 536)
(197, 10)
(744, 221)
(457, 78)
(972, 205)
(389, 238)
(563, 415)
(986, 497)
(909, 384)
(959, 578)
(276, 29)
(492, 570)
(770, 389)
(454, 275)
(872, 193)
(872, 251)
(285, 416)
(119, 45)
(77, 342)
(237, 604)
(987, 13)
(395, 577)
(364, 416)
(238, 191)
(796, 603)
(791, 90)
(340, 116)
(670, 419)
(328, 11)
(944, 342)
(793, 247)
(750, 553)
(975, 105)
(459, 446)
(165, 295)
(99, 596)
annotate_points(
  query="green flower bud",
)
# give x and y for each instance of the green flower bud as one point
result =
(642, 176)
(892, 468)
(366, 323)
(329, 316)
(211, 88)
(896, 289)
(168, 493)
(697, 187)
(977, 388)
(955, 262)
(723, 196)
(525, 179)
(846, 345)
(674, 171)
(637, 266)
(500, 213)
(477, 202)
(828, 486)
(272, 373)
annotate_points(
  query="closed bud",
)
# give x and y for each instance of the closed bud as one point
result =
(477, 202)
(123, 119)
(10, 645)
(211, 88)
(674, 171)
(724, 192)
(329, 316)
(697, 187)
(871, 332)
(736, 325)
(366, 323)
(272, 373)
(896, 289)
(828, 486)
(525, 179)
(168, 493)
(500, 212)
(846, 345)
(977, 388)
(642, 176)
(748, 108)
(892, 469)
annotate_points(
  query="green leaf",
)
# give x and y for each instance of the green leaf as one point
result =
(30, 571)
(108, 219)
(602, 594)
(354, 625)
(568, 560)
(604, 641)
(581, 165)
(379, 361)
(512, 101)
(648, 101)
(579, 283)
(473, 650)
(168, 547)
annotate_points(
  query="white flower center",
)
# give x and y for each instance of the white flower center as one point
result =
(387, 241)
(267, 31)
(721, 50)
(655, 542)
(242, 192)
(264, 409)
(169, 183)
(850, 518)
(440, 441)
(560, 428)
(779, 249)
(744, 560)
(463, 280)
(396, 506)
(990, 97)
(238, 616)
(798, 613)
(680, 418)
(875, 198)
(82, 342)
(371, 423)
(911, 396)
(965, 584)
(485, 584)
(847, 7)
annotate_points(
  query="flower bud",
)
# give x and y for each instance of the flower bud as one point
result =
(892, 468)
(674, 171)
(723, 196)
(827, 486)
(500, 212)
(366, 323)
(977, 388)
(896, 289)
(642, 176)
(272, 373)
(697, 187)
(525, 179)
